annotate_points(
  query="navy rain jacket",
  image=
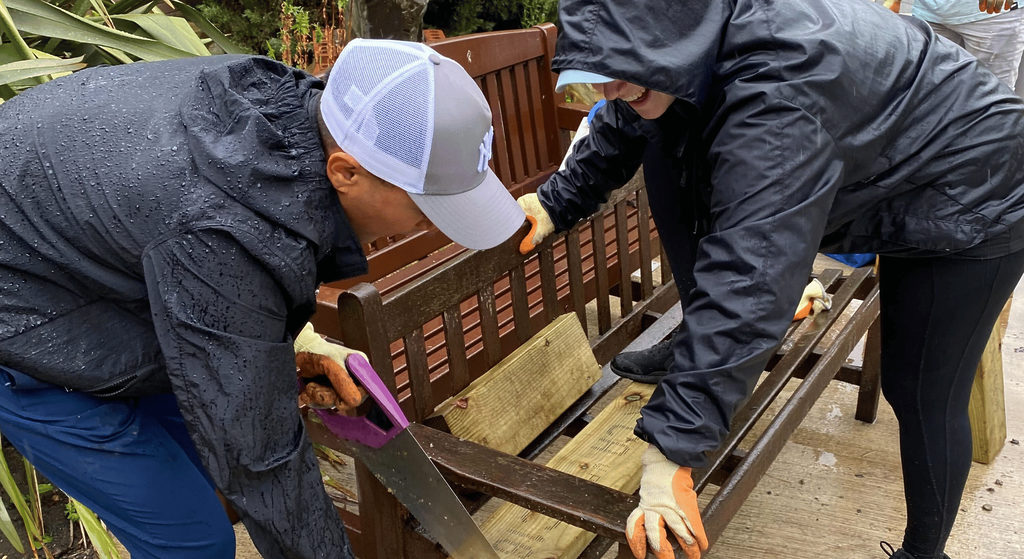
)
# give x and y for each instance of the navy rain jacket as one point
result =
(800, 125)
(164, 227)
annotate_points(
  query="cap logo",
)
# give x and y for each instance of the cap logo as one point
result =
(354, 98)
(485, 151)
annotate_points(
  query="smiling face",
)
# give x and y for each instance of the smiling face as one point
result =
(646, 102)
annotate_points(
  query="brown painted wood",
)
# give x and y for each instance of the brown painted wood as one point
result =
(604, 314)
(520, 303)
(456, 348)
(549, 288)
(486, 53)
(622, 247)
(514, 131)
(529, 125)
(575, 265)
(567, 498)
(489, 324)
(363, 329)
(419, 375)
(871, 375)
(381, 516)
(644, 216)
(501, 149)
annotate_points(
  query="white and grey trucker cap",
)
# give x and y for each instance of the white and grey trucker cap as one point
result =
(417, 120)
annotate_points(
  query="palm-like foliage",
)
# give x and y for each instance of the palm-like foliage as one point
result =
(40, 40)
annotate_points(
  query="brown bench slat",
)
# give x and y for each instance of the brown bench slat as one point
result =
(489, 324)
(422, 398)
(622, 247)
(575, 271)
(455, 345)
(644, 216)
(604, 313)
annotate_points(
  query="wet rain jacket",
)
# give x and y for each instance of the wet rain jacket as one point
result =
(797, 121)
(164, 227)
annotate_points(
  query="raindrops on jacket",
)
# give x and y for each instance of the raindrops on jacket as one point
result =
(156, 231)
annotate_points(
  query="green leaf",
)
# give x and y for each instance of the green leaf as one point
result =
(208, 28)
(9, 29)
(36, 17)
(17, 71)
(6, 93)
(126, 6)
(7, 527)
(16, 496)
(98, 535)
(172, 31)
(97, 5)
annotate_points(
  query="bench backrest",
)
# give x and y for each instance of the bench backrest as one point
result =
(430, 338)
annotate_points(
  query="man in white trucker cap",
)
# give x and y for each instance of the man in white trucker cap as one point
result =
(160, 293)
(414, 119)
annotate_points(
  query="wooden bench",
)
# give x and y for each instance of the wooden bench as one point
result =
(421, 341)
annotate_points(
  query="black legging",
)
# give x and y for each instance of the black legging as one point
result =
(937, 314)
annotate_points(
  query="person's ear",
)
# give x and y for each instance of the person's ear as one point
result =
(343, 171)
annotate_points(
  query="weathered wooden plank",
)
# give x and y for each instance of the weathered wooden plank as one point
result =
(622, 247)
(454, 339)
(419, 375)
(527, 390)
(604, 452)
(575, 269)
(604, 312)
(489, 323)
(988, 408)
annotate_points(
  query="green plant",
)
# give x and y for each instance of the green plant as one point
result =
(459, 17)
(538, 11)
(101, 539)
(42, 40)
(29, 507)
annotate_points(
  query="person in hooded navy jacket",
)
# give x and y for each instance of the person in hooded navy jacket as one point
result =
(164, 229)
(769, 130)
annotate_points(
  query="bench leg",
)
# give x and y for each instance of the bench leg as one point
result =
(870, 376)
(988, 408)
(381, 517)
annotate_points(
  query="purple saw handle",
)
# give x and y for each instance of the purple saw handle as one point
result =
(360, 429)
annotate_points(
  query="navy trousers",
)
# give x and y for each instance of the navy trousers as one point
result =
(130, 461)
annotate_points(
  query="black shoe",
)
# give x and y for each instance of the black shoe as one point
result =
(899, 553)
(647, 365)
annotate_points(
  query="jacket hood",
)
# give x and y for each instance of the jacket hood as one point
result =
(646, 42)
(251, 127)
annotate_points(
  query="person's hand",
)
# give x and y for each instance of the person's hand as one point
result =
(994, 6)
(540, 222)
(667, 503)
(317, 358)
(814, 300)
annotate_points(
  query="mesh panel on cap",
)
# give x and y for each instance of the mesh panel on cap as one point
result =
(402, 120)
(384, 95)
(374, 65)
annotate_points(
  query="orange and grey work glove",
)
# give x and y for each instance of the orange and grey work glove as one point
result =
(540, 222)
(813, 301)
(315, 357)
(667, 503)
